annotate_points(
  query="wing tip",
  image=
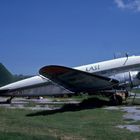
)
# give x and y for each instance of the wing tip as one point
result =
(52, 70)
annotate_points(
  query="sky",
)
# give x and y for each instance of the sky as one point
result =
(35, 33)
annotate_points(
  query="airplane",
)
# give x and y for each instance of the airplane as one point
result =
(113, 78)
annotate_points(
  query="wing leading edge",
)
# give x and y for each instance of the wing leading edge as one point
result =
(76, 80)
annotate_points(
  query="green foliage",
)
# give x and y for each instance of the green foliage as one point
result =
(20, 77)
(136, 90)
(5, 76)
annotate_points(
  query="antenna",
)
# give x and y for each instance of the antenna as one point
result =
(114, 56)
(119, 55)
(127, 55)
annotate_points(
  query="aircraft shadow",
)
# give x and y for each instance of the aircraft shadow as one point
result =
(90, 103)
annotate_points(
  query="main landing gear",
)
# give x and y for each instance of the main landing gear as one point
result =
(116, 100)
(118, 97)
(8, 101)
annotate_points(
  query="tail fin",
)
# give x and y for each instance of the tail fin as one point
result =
(5, 76)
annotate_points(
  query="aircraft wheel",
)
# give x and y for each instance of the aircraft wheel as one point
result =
(116, 100)
(8, 101)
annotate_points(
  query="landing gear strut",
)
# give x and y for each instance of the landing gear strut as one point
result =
(118, 97)
(9, 100)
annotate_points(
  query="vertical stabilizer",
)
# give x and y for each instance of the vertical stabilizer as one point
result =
(5, 76)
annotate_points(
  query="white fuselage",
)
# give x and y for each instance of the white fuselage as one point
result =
(39, 85)
(115, 66)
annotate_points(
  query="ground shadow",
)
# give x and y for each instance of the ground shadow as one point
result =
(90, 103)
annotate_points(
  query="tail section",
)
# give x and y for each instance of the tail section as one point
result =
(5, 76)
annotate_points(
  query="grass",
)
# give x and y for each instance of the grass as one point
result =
(70, 123)
(87, 124)
(136, 90)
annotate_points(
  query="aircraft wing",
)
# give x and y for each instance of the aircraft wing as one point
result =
(76, 80)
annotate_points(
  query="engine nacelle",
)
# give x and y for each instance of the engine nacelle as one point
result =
(128, 79)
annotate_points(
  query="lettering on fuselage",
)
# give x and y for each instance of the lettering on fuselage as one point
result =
(93, 68)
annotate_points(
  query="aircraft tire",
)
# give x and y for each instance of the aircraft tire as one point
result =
(116, 100)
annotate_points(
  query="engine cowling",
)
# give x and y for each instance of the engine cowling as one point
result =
(128, 79)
